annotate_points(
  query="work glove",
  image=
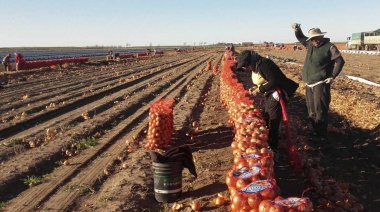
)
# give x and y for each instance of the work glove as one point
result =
(254, 91)
(276, 96)
(295, 26)
(329, 80)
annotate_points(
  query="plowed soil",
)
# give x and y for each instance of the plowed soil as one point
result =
(95, 116)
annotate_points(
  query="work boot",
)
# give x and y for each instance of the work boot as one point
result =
(276, 155)
(312, 134)
(321, 142)
(319, 139)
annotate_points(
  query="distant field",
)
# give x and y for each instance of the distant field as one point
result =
(65, 49)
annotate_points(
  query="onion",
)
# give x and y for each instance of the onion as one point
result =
(241, 163)
(264, 151)
(242, 183)
(195, 205)
(124, 165)
(66, 162)
(254, 200)
(177, 206)
(265, 205)
(219, 200)
(277, 208)
(302, 207)
(358, 207)
(32, 144)
(269, 193)
(106, 172)
(233, 191)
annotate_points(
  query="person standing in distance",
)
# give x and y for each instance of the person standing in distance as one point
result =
(7, 67)
(6, 61)
(322, 65)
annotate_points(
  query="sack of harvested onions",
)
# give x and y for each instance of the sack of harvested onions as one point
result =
(286, 204)
(250, 196)
(241, 176)
(161, 124)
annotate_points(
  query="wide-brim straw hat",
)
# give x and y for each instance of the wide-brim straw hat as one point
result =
(315, 32)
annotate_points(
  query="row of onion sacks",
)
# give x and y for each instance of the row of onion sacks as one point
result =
(251, 180)
(161, 124)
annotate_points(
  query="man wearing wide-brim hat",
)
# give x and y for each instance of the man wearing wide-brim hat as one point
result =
(322, 65)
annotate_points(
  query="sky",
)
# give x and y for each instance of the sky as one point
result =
(80, 23)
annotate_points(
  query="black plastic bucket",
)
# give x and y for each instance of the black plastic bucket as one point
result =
(167, 181)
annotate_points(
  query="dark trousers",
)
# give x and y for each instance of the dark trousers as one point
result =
(318, 101)
(273, 116)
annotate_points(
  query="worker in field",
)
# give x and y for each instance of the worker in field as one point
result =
(233, 53)
(20, 62)
(322, 65)
(232, 48)
(267, 77)
(110, 55)
(7, 67)
(227, 55)
(116, 56)
(6, 62)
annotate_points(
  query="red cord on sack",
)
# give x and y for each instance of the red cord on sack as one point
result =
(295, 160)
(308, 189)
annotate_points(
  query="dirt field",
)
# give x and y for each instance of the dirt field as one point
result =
(95, 116)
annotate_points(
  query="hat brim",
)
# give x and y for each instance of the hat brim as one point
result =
(239, 65)
(316, 35)
(243, 59)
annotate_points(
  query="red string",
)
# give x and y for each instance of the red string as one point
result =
(295, 160)
(308, 189)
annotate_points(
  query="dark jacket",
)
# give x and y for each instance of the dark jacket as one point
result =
(6, 59)
(318, 65)
(275, 78)
(319, 62)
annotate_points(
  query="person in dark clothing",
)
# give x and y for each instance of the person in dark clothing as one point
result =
(232, 48)
(6, 64)
(322, 65)
(110, 54)
(6, 61)
(116, 56)
(267, 77)
(20, 61)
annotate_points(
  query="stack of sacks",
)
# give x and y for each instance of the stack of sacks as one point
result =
(251, 179)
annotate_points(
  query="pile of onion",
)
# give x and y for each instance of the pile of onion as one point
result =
(251, 196)
(209, 66)
(250, 180)
(161, 124)
(215, 69)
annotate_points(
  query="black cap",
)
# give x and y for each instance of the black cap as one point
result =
(245, 58)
